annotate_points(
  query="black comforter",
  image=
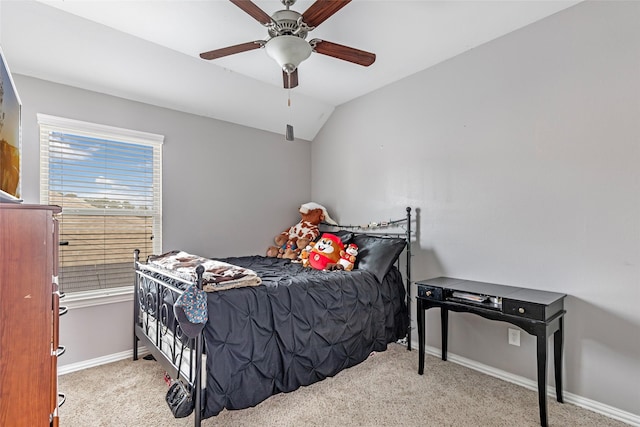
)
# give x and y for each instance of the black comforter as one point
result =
(299, 327)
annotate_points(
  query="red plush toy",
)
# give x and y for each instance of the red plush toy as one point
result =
(326, 252)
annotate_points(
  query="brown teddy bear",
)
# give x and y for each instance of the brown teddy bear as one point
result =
(290, 242)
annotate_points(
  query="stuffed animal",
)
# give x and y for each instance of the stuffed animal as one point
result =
(274, 251)
(304, 254)
(290, 242)
(290, 251)
(348, 257)
(326, 252)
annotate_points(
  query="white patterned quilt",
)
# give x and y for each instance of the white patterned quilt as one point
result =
(217, 275)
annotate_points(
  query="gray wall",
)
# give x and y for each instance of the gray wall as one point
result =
(227, 190)
(523, 158)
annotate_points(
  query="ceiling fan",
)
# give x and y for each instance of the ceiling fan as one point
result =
(287, 43)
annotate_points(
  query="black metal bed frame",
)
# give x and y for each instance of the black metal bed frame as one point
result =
(151, 313)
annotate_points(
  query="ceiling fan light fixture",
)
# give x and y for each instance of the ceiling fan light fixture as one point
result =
(288, 51)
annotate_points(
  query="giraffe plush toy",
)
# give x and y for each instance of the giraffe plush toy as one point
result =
(290, 242)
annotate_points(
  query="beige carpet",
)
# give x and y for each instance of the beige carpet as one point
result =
(384, 390)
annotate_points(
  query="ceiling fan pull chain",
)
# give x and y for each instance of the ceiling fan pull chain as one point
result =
(289, 92)
(289, 129)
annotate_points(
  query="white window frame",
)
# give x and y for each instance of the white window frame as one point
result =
(49, 124)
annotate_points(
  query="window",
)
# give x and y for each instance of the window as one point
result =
(108, 182)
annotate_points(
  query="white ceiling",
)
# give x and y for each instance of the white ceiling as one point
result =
(148, 51)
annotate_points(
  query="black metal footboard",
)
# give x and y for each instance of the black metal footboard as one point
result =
(156, 328)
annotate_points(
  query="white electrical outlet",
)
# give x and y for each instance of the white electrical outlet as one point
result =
(514, 337)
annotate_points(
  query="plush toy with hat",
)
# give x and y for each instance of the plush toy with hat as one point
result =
(348, 257)
(290, 242)
(325, 254)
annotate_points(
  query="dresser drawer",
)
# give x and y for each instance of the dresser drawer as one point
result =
(430, 292)
(524, 309)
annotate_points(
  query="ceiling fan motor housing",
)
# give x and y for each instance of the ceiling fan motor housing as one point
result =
(287, 45)
(288, 23)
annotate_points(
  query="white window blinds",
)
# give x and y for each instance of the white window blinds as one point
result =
(108, 182)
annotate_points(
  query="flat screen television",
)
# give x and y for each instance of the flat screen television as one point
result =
(10, 136)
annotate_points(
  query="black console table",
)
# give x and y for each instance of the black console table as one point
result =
(539, 313)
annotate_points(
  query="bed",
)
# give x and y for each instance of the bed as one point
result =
(295, 327)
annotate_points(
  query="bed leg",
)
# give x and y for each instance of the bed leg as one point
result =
(197, 413)
(409, 277)
(197, 418)
(136, 257)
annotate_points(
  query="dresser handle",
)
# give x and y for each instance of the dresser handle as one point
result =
(428, 293)
(521, 310)
(63, 311)
(60, 351)
(63, 397)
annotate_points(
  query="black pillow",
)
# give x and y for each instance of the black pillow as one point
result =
(377, 254)
(344, 235)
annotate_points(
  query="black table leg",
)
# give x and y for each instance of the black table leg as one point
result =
(444, 322)
(542, 376)
(558, 343)
(421, 328)
(135, 345)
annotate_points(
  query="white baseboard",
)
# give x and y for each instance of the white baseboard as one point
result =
(91, 363)
(583, 402)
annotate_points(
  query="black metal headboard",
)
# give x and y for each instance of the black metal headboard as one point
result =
(398, 228)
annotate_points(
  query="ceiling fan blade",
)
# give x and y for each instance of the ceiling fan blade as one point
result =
(345, 53)
(253, 10)
(293, 79)
(321, 10)
(230, 50)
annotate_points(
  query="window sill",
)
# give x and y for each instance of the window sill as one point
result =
(99, 297)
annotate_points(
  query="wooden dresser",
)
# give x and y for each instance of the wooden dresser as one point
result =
(29, 313)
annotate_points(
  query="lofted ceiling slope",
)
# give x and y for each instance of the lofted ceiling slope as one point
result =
(148, 51)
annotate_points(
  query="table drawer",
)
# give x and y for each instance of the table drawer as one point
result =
(523, 309)
(430, 292)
